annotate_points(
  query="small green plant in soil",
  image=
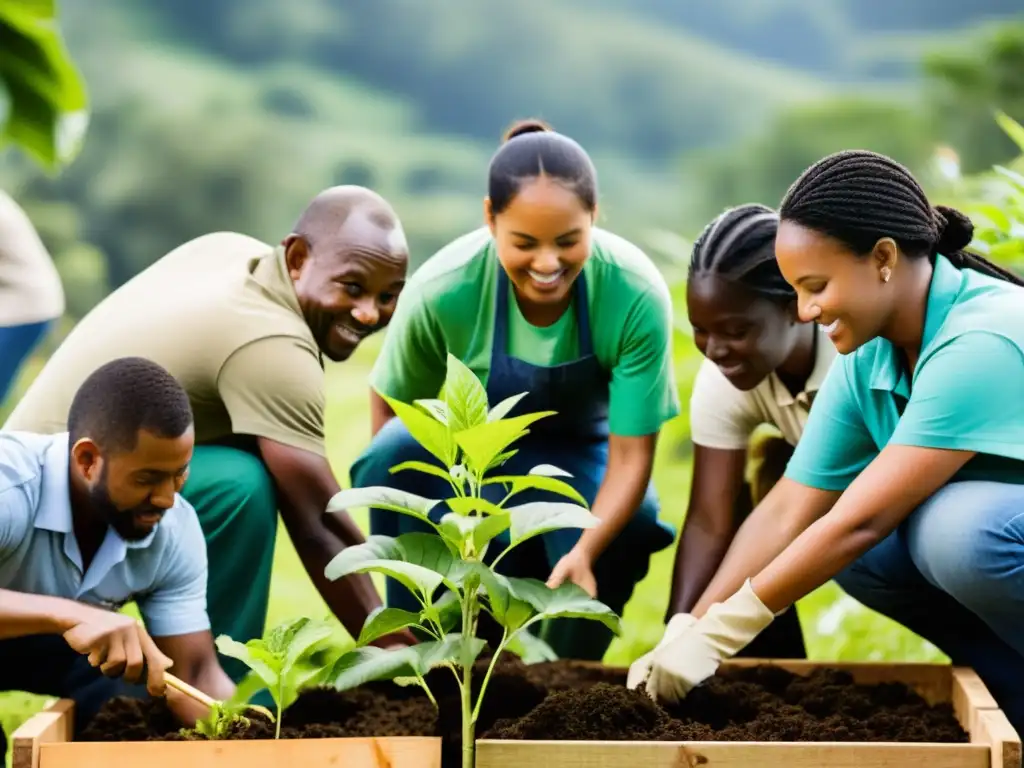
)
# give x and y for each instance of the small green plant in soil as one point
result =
(285, 662)
(471, 442)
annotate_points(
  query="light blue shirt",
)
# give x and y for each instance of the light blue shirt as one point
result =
(165, 573)
(966, 392)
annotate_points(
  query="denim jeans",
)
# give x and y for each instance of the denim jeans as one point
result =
(953, 572)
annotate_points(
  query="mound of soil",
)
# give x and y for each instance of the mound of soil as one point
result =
(568, 701)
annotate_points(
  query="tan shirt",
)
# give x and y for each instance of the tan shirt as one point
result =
(221, 315)
(724, 417)
(30, 287)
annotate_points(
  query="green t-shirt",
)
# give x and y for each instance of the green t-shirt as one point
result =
(448, 305)
(965, 393)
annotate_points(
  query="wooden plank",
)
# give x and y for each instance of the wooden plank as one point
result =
(390, 752)
(53, 724)
(969, 697)
(995, 730)
(611, 754)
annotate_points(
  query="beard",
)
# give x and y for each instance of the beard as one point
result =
(123, 521)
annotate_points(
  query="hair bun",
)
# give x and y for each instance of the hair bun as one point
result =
(521, 127)
(956, 230)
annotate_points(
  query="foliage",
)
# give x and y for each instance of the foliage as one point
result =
(43, 102)
(285, 661)
(470, 442)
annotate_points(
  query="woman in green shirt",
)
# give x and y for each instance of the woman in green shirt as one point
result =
(907, 485)
(542, 301)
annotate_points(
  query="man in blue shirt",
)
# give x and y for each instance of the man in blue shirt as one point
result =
(90, 520)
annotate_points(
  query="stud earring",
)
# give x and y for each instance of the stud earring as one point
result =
(886, 274)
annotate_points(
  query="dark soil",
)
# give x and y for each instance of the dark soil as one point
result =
(563, 700)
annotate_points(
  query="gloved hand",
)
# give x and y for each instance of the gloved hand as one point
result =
(694, 655)
(640, 668)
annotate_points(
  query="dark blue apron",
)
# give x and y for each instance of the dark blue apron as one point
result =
(575, 440)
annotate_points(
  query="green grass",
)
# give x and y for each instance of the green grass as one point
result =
(836, 627)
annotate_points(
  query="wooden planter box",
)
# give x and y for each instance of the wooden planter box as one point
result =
(993, 741)
(44, 741)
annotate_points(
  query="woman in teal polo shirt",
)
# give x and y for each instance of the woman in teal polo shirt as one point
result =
(908, 482)
(542, 301)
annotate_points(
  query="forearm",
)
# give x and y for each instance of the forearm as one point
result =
(23, 614)
(380, 412)
(702, 546)
(618, 498)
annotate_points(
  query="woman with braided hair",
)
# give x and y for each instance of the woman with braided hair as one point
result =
(749, 402)
(908, 482)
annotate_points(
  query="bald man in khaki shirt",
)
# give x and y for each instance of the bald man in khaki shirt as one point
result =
(244, 327)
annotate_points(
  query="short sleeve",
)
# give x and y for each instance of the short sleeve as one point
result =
(721, 416)
(643, 393)
(413, 362)
(177, 604)
(15, 518)
(836, 444)
(967, 396)
(274, 388)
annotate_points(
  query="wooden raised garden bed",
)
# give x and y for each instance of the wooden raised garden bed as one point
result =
(755, 713)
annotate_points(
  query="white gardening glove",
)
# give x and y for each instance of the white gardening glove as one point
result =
(640, 668)
(694, 656)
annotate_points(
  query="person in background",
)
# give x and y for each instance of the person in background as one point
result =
(763, 367)
(91, 519)
(31, 295)
(245, 328)
(908, 483)
(542, 301)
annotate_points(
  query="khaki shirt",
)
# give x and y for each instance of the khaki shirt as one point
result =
(221, 315)
(30, 287)
(724, 417)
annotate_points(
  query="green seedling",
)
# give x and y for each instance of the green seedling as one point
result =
(223, 715)
(471, 442)
(285, 662)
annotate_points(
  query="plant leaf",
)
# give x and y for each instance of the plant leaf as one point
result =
(531, 649)
(244, 654)
(522, 483)
(437, 653)
(383, 497)
(415, 578)
(417, 560)
(480, 529)
(567, 601)
(502, 409)
(310, 635)
(549, 470)
(529, 520)
(466, 505)
(484, 442)
(422, 466)
(501, 458)
(465, 396)
(507, 609)
(436, 408)
(431, 434)
(384, 621)
(1012, 128)
(446, 611)
(365, 665)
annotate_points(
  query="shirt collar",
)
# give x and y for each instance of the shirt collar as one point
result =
(888, 373)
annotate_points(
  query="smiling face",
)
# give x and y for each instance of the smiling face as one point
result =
(543, 241)
(746, 335)
(348, 285)
(835, 287)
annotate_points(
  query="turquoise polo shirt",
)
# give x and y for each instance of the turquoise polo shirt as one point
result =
(165, 573)
(966, 393)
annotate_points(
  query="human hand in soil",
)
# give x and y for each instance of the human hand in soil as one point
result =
(577, 567)
(695, 654)
(119, 645)
(641, 668)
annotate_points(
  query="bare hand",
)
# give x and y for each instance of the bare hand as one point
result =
(119, 646)
(576, 567)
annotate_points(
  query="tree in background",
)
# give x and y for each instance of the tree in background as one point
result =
(43, 101)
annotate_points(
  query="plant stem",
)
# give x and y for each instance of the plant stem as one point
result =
(469, 605)
(277, 729)
(487, 677)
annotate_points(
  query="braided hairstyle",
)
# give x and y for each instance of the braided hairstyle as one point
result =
(859, 197)
(532, 149)
(739, 246)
